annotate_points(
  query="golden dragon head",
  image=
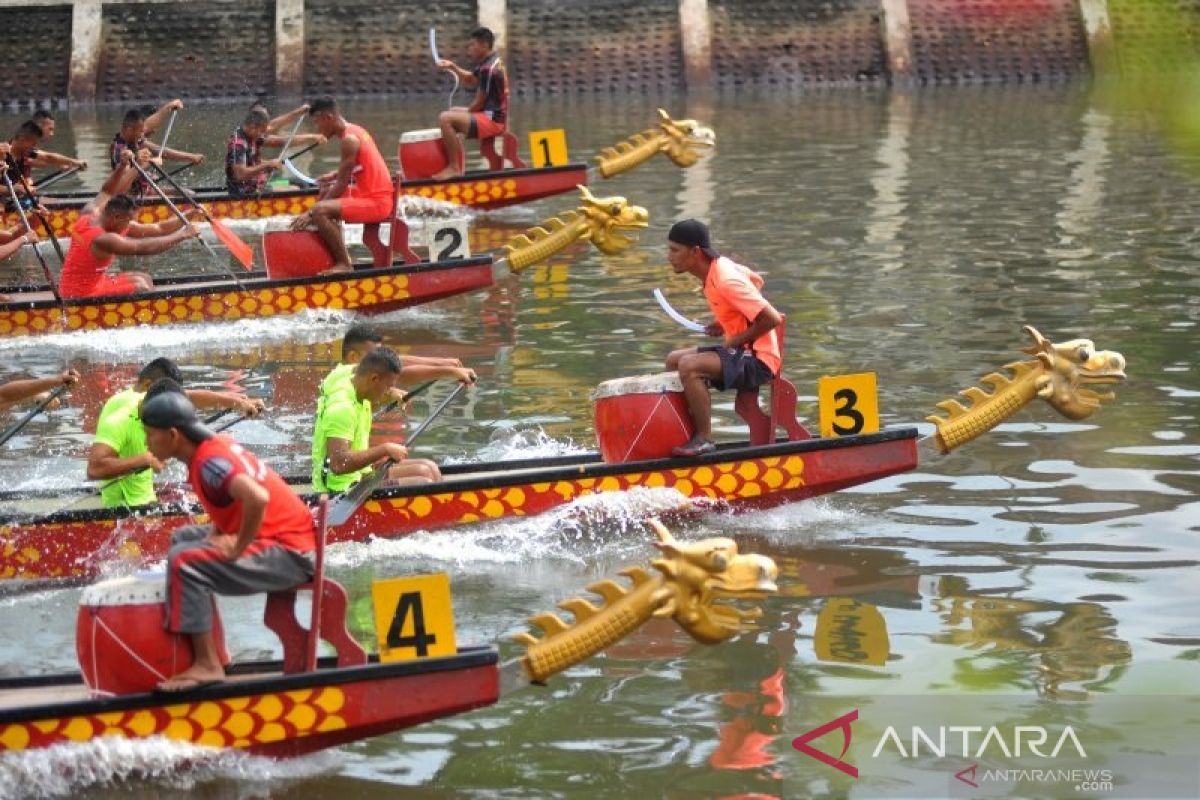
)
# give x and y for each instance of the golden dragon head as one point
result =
(692, 577)
(1070, 368)
(687, 140)
(607, 217)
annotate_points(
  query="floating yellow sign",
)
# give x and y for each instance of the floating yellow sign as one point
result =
(851, 632)
(414, 617)
(849, 404)
(549, 148)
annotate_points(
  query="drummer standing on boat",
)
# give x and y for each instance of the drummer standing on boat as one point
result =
(359, 191)
(105, 229)
(750, 354)
(119, 453)
(261, 538)
(487, 116)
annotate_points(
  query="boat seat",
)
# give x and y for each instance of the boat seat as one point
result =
(782, 410)
(382, 254)
(487, 149)
(328, 620)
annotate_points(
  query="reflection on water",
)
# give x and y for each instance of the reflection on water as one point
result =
(906, 234)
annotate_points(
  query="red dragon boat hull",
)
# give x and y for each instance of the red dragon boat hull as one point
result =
(483, 190)
(258, 709)
(37, 546)
(213, 298)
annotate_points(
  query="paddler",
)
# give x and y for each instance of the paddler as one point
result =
(119, 454)
(45, 122)
(359, 191)
(18, 391)
(105, 229)
(245, 170)
(261, 538)
(487, 116)
(341, 452)
(24, 153)
(361, 339)
(749, 355)
(135, 127)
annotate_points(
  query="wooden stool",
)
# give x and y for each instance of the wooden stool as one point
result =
(783, 408)
(487, 149)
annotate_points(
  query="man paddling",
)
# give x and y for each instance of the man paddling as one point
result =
(749, 356)
(362, 339)
(45, 122)
(245, 170)
(359, 191)
(135, 127)
(23, 154)
(487, 116)
(105, 229)
(18, 391)
(341, 452)
(119, 454)
(261, 538)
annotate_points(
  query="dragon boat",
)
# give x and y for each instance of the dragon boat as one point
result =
(52, 537)
(683, 141)
(293, 280)
(301, 703)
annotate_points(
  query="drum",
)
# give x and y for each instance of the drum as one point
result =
(120, 640)
(641, 417)
(422, 154)
(295, 254)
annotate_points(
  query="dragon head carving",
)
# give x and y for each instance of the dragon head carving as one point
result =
(692, 577)
(607, 217)
(1070, 368)
(687, 140)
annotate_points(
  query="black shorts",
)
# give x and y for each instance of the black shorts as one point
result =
(740, 368)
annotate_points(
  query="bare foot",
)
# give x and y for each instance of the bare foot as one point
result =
(445, 174)
(191, 678)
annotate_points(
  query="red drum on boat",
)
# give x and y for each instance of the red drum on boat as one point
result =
(641, 417)
(120, 640)
(423, 154)
(295, 254)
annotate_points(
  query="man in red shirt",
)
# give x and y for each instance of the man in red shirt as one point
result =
(359, 191)
(750, 354)
(261, 537)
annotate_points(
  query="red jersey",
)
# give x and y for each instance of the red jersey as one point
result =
(82, 270)
(371, 176)
(286, 521)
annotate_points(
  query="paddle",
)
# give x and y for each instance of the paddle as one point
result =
(392, 406)
(241, 251)
(47, 400)
(178, 213)
(12, 192)
(349, 502)
(675, 315)
(56, 177)
(62, 259)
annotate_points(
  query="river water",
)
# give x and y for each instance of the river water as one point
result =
(1048, 567)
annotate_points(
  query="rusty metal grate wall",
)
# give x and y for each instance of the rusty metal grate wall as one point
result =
(364, 47)
(151, 52)
(577, 46)
(36, 43)
(1156, 35)
(997, 41)
(796, 43)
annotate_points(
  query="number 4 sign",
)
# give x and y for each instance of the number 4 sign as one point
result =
(849, 404)
(413, 617)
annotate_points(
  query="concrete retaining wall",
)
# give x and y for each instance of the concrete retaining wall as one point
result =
(100, 51)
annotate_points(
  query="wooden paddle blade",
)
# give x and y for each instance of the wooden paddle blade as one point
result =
(241, 251)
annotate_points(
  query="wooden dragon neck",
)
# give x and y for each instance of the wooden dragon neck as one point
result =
(632, 152)
(985, 411)
(541, 242)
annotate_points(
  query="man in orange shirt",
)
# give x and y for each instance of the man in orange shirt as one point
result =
(369, 199)
(750, 354)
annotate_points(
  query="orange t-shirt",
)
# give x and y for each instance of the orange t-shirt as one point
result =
(732, 294)
(371, 177)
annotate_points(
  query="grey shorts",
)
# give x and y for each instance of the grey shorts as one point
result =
(740, 368)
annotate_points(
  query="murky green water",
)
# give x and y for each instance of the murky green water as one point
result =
(909, 235)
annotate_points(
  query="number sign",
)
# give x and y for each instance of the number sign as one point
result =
(849, 404)
(549, 148)
(414, 617)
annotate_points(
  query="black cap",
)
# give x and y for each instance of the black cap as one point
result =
(174, 410)
(692, 233)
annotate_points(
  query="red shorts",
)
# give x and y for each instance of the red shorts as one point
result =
(366, 209)
(486, 127)
(119, 283)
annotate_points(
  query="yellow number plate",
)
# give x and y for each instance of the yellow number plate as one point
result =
(549, 148)
(849, 404)
(413, 617)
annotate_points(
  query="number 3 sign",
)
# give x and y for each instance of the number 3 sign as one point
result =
(849, 404)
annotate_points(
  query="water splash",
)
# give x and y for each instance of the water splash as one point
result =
(511, 444)
(65, 770)
(608, 523)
